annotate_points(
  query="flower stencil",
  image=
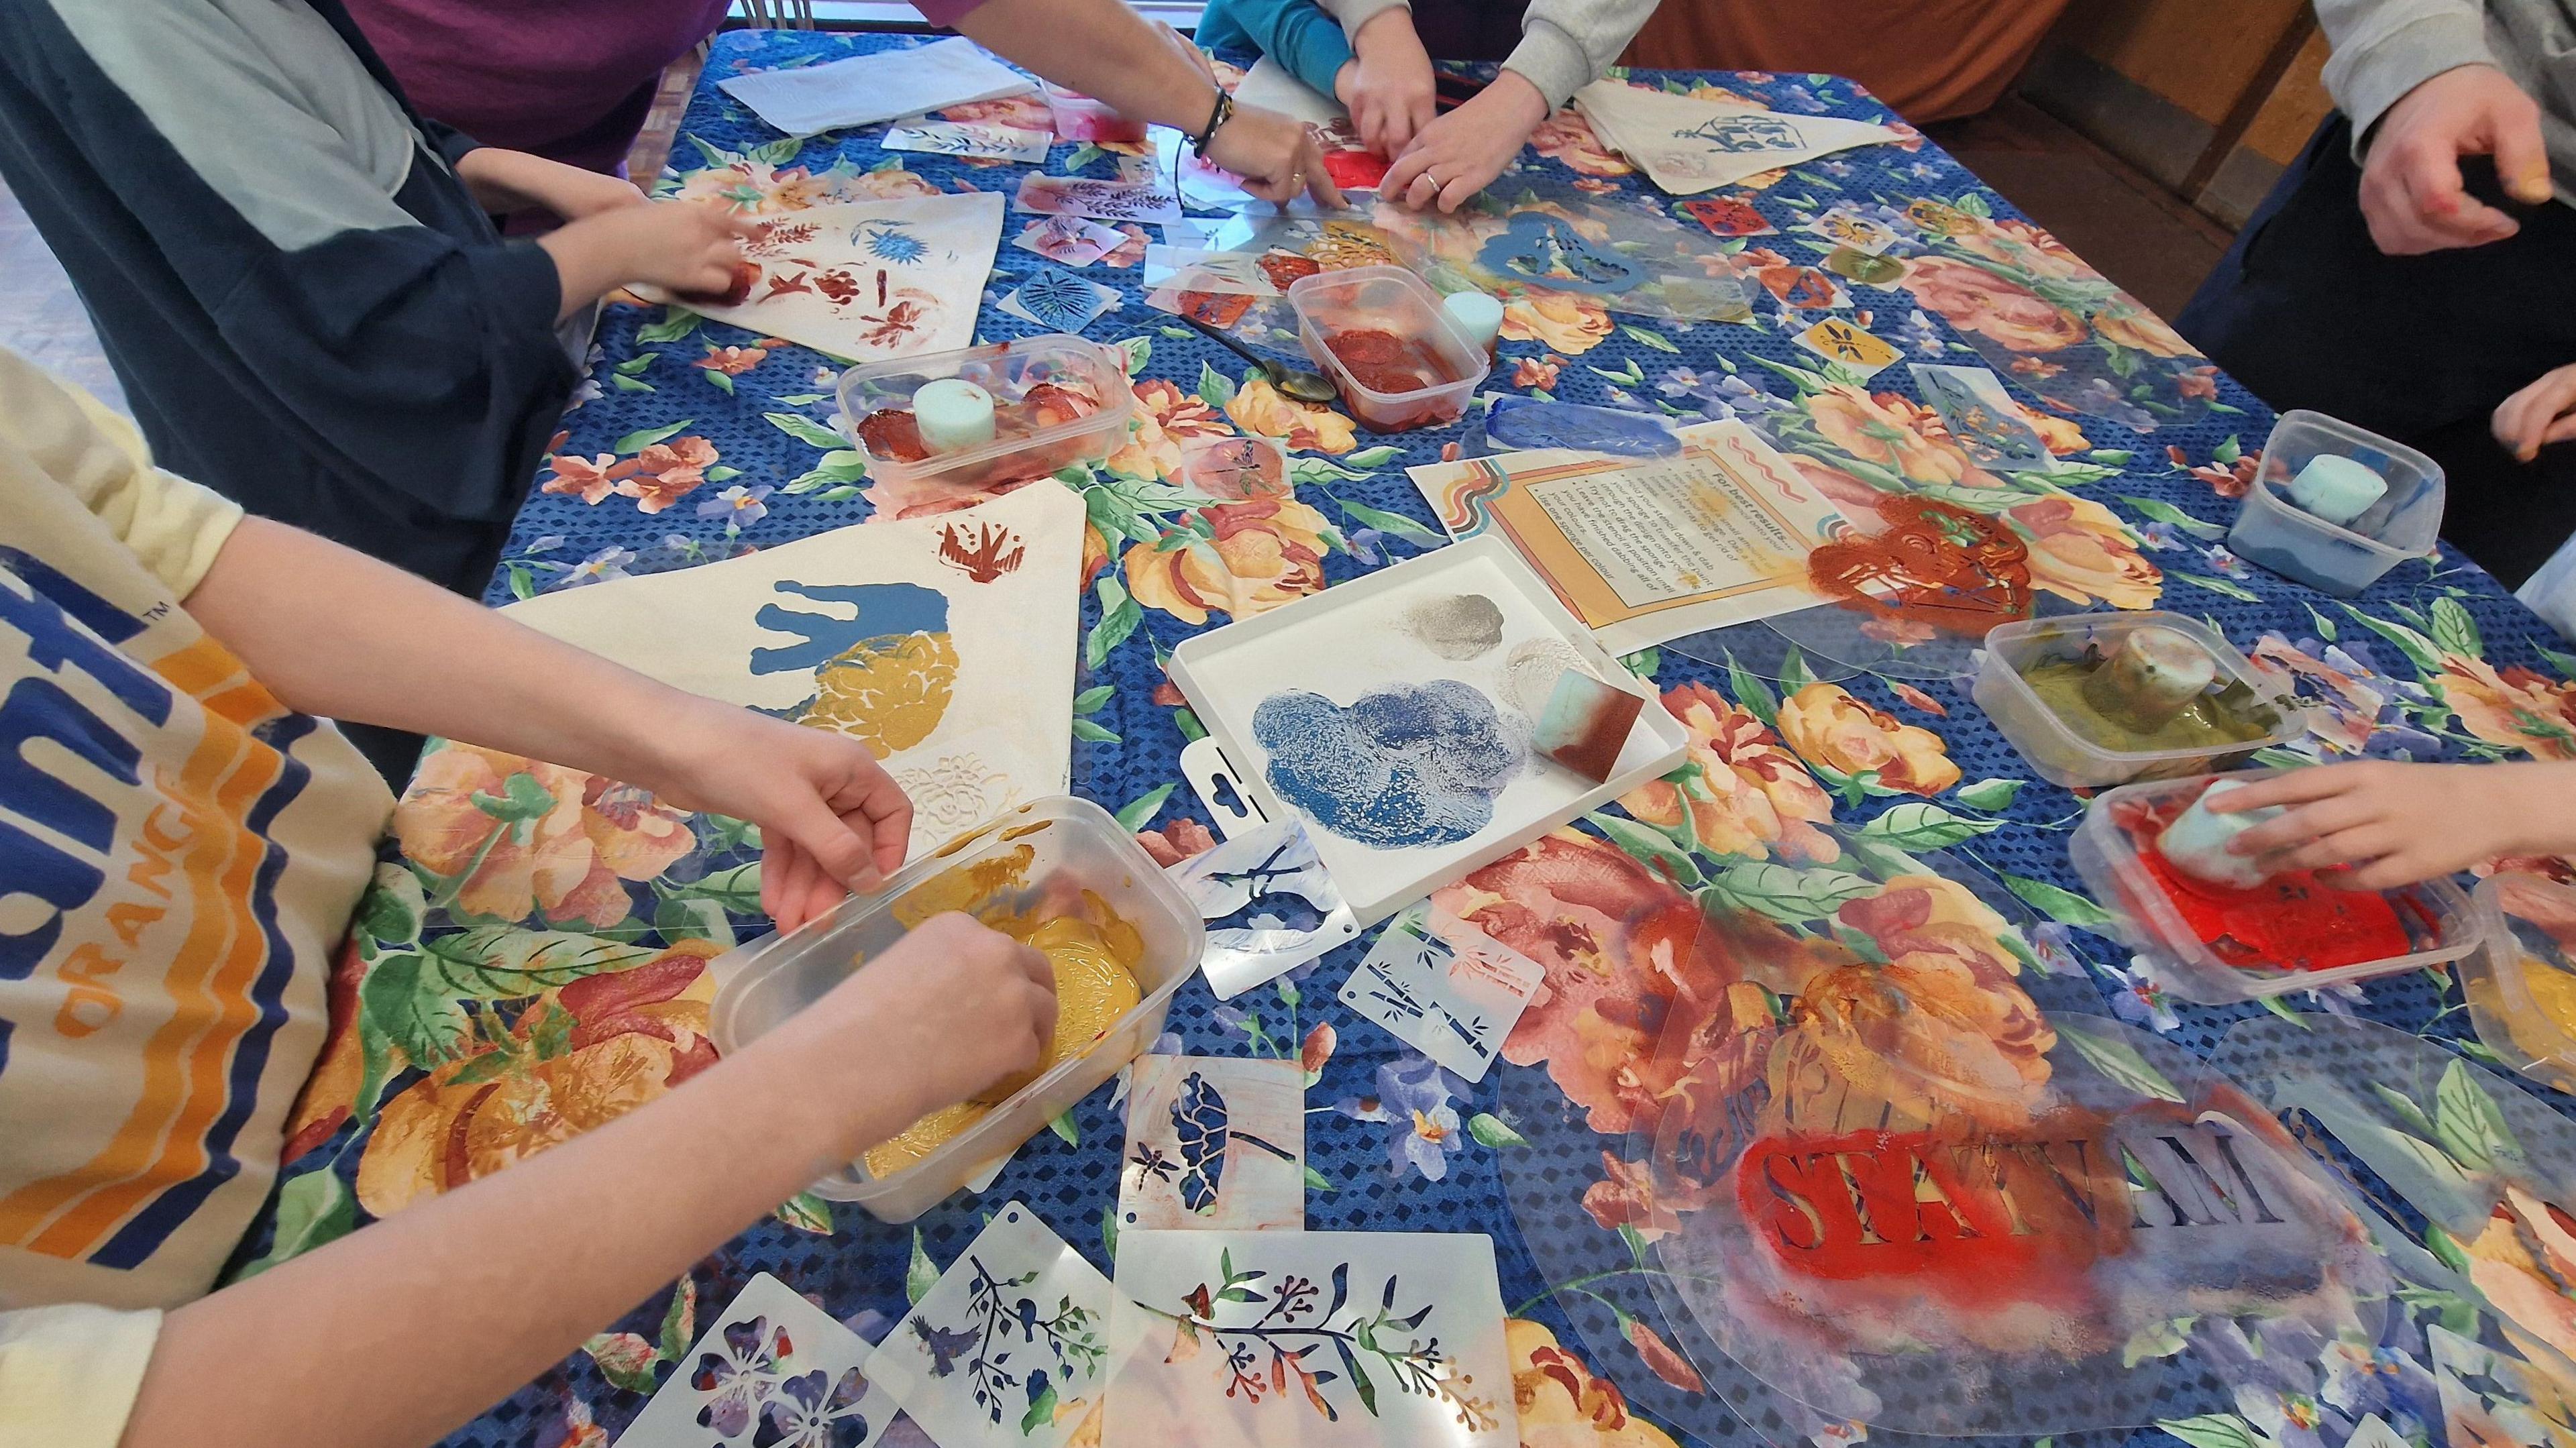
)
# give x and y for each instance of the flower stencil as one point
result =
(1413, 1098)
(739, 1374)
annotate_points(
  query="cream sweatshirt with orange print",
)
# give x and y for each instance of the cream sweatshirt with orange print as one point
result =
(179, 855)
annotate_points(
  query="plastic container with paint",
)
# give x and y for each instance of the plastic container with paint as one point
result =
(2439, 921)
(1010, 372)
(1340, 307)
(2521, 985)
(1076, 847)
(2064, 753)
(2341, 559)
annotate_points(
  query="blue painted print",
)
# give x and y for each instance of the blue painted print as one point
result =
(1415, 764)
(1546, 249)
(878, 610)
(892, 241)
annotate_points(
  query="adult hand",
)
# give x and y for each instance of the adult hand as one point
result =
(681, 246)
(2410, 182)
(950, 1009)
(2542, 413)
(831, 819)
(1387, 85)
(1461, 153)
(2393, 823)
(1276, 156)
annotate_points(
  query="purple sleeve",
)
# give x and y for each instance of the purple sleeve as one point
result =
(945, 13)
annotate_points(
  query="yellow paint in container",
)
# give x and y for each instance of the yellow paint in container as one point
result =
(1093, 949)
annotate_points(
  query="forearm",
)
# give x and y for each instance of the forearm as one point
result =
(2534, 805)
(503, 181)
(1102, 49)
(393, 650)
(590, 261)
(394, 1335)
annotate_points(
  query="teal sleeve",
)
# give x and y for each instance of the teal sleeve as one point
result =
(1296, 33)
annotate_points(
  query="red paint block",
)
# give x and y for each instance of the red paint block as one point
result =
(1586, 724)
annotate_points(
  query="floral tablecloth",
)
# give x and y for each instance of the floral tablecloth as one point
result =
(532, 959)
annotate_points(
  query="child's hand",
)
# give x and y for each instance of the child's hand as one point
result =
(950, 1009)
(1389, 93)
(2544, 412)
(1461, 153)
(2411, 193)
(831, 819)
(681, 246)
(2394, 823)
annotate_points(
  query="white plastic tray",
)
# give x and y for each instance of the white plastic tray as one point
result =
(1347, 641)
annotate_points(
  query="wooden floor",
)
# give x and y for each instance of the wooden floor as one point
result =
(2130, 228)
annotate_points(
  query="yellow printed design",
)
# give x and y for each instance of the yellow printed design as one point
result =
(888, 693)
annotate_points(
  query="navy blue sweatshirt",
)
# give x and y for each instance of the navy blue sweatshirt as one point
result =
(308, 311)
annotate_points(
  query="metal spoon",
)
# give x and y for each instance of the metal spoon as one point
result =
(1292, 382)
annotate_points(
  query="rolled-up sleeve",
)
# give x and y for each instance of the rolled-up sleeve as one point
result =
(68, 1374)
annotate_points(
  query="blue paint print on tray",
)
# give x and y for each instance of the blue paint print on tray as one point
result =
(1411, 765)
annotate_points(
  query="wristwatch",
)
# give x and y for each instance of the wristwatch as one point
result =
(1218, 115)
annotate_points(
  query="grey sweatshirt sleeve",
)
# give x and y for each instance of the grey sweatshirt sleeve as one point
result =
(1355, 13)
(1568, 44)
(1565, 44)
(2385, 48)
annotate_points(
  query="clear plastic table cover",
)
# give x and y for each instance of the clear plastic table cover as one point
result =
(1550, 236)
(1761, 651)
(1857, 642)
(2477, 1169)
(1241, 266)
(1788, 1077)
(2454, 1139)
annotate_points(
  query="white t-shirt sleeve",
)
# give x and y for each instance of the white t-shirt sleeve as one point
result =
(175, 526)
(68, 1374)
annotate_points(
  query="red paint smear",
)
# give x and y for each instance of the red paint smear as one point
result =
(1381, 361)
(1286, 268)
(2296, 920)
(892, 434)
(2007, 1224)
(1355, 170)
